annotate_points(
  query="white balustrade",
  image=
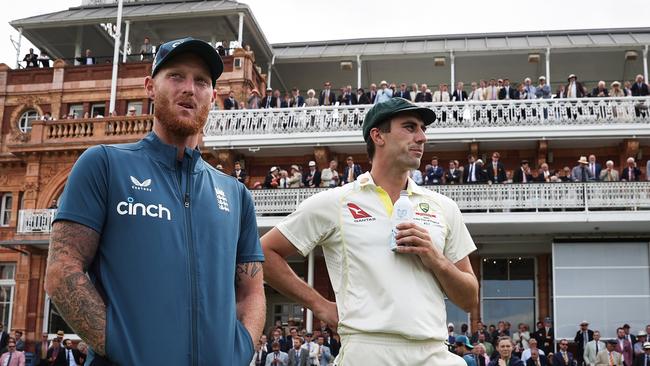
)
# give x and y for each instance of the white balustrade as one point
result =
(35, 221)
(470, 114)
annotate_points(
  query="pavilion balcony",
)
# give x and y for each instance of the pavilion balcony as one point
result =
(455, 121)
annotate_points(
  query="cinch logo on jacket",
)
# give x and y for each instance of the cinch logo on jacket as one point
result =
(131, 208)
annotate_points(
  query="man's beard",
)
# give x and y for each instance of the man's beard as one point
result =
(176, 124)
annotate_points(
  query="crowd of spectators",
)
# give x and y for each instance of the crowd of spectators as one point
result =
(57, 351)
(492, 89)
(475, 171)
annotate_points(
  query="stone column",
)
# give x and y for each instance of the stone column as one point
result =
(322, 157)
(543, 286)
(629, 148)
(542, 152)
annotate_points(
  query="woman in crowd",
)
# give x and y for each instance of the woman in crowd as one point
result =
(521, 338)
(311, 101)
(506, 358)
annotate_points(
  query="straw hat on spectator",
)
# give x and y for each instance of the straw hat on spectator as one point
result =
(255, 91)
(383, 82)
(583, 160)
(572, 76)
(616, 83)
(295, 167)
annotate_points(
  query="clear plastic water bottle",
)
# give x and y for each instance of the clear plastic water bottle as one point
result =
(402, 212)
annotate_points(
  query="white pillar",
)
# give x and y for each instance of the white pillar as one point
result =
(548, 66)
(358, 71)
(213, 41)
(20, 40)
(452, 85)
(126, 40)
(270, 72)
(645, 63)
(310, 282)
(116, 57)
(240, 36)
(77, 45)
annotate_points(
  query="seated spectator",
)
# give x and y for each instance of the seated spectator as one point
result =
(402, 92)
(311, 100)
(459, 94)
(87, 59)
(580, 173)
(529, 89)
(481, 354)
(600, 91)
(350, 172)
(327, 96)
(532, 347)
(329, 177)
(434, 175)
(44, 59)
(543, 90)
(442, 94)
(312, 178)
(639, 88)
(536, 359)
(631, 173)
(384, 93)
(574, 88)
(522, 175)
(616, 91)
(146, 50)
(414, 91)
(362, 97)
(296, 99)
(372, 93)
(254, 101)
(31, 59)
(230, 103)
(424, 96)
(272, 179)
(545, 174)
(565, 175)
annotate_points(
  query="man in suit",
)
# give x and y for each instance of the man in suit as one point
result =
(12, 357)
(631, 173)
(582, 338)
(40, 351)
(268, 101)
(53, 352)
(277, 338)
(459, 94)
(594, 167)
(239, 173)
(563, 357)
(453, 176)
(496, 172)
(31, 59)
(580, 173)
(644, 358)
(327, 96)
(297, 355)
(442, 94)
(4, 337)
(296, 99)
(435, 174)
(639, 88)
(312, 178)
(351, 171)
(507, 92)
(331, 342)
(277, 357)
(545, 336)
(626, 327)
(623, 346)
(230, 103)
(424, 96)
(402, 92)
(600, 91)
(347, 97)
(324, 353)
(88, 59)
(522, 175)
(536, 359)
(592, 349)
(574, 88)
(68, 355)
(544, 175)
(609, 356)
(362, 97)
(261, 351)
(472, 173)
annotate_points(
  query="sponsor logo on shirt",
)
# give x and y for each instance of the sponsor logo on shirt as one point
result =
(359, 214)
(140, 186)
(222, 201)
(132, 208)
(423, 210)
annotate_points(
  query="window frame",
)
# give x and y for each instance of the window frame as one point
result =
(26, 119)
(4, 210)
(97, 105)
(11, 282)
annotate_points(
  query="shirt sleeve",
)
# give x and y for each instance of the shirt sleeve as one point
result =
(459, 242)
(248, 246)
(312, 223)
(84, 198)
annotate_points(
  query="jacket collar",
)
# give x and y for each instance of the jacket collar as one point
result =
(165, 154)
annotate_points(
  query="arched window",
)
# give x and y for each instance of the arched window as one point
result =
(26, 119)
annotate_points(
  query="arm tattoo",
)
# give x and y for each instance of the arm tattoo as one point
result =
(72, 249)
(244, 270)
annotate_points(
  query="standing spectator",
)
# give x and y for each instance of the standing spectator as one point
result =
(277, 357)
(347, 97)
(351, 171)
(68, 356)
(384, 93)
(287, 101)
(521, 338)
(327, 96)
(31, 59)
(630, 337)
(530, 90)
(505, 356)
(295, 181)
(496, 172)
(330, 341)
(560, 93)
(278, 101)
(20, 343)
(647, 177)
(87, 59)
(521, 92)
(583, 336)
(563, 357)
(403, 92)
(324, 353)
(40, 351)
(12, 357)
(442, 94)
(453, 175)
(268, 101)
(463, 349)
(507, 92)
(297, 355)
(435, 174)
(544, 175)
(623, 346)
(311, 100)
(459, 94)
(545, 336)
(44, 59)
(627, 88)
(296, 99)
(329, 177)
(609, 174)
(254, 101)
(82, 347)
(574, 89)
(272, 179)
(580, 173)
(4, 337)
(594, 167)
(146, 50)
(414, 92)
(54, 351)
(372, 93)
(312, 178)
(639, 88)
(631, 173)
(543, 90)
(451, 338)
(644, 358)
(522, 175)
(362, 98)
(230, 103)
(600, 91)
(480, 328)
(532, 347)
(261, 351)
(592, 349)
(424, 96)
(641, 337)
(283, 183)
(492, 91)
(470, 173)
(609, 356)
(617, 92)
(476, 93)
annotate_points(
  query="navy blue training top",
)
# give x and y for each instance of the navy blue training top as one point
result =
(172, 234)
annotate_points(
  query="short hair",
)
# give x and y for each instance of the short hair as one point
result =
(383, 126)
(504, 338)
(275, 344)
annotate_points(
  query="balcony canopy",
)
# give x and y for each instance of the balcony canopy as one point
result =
(58, 33)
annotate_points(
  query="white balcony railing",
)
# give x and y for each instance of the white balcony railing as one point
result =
(475, 198)
(35, 221)
(227, 126)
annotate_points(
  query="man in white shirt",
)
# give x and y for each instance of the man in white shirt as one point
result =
(386, 301)
(532, 345)
(277, 357)
(592, 349)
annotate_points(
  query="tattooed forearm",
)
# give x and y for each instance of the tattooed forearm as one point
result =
(251, 303)
(72, 249)
(244, 270)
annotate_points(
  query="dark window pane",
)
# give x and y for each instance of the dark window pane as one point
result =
(495, 269)
(57, 323)
(455, 315)
(522, 269)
